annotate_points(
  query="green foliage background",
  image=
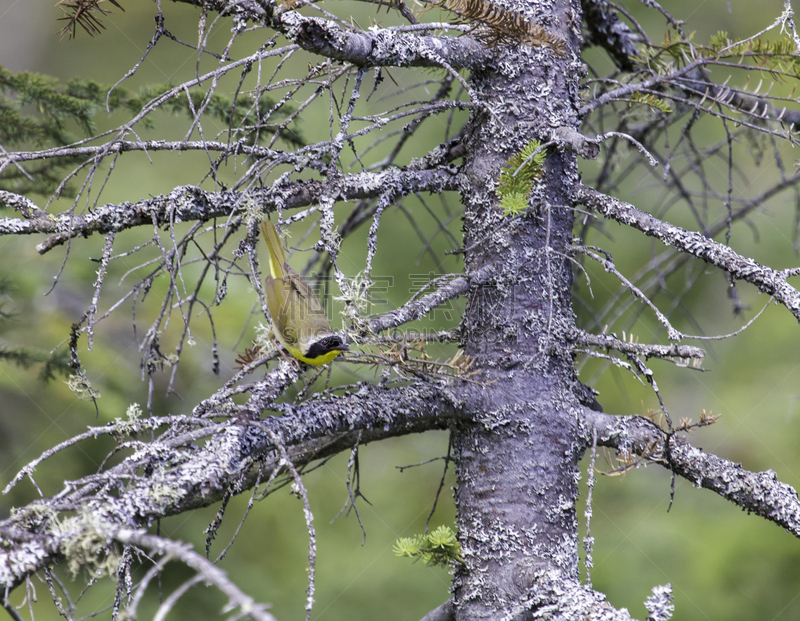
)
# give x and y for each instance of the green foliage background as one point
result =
(722, 563)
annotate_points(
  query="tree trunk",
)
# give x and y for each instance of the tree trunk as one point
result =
(517, 465)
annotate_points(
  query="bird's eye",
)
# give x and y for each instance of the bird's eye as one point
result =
(332, 342)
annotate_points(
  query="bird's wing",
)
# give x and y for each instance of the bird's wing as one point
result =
(309, 311)
(277, 257)
(279, 306)
(297, 314)
(312, 305)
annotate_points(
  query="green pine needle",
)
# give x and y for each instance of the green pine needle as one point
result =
(38, 111)
(777, 57)
(516, 178)
(656, 103)
(439, 547)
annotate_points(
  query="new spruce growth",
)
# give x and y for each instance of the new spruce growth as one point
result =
(439, 547)
(517, 177)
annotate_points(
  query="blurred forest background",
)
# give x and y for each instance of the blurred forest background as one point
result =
(721, 563)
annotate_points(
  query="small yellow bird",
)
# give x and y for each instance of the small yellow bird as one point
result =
(299, 322)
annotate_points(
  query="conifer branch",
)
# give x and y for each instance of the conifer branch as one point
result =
(84, 13)
(501, 26)
(767, 280)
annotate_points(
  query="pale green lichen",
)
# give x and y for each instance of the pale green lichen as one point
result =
(264, 338)
(356, 298)
(131, 424)
(81, 387)
(33, 516)
(86, 545)
(134, 412)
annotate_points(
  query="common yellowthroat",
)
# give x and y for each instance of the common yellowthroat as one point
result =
(299, 322)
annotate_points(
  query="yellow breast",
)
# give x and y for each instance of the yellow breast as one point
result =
(319, 360)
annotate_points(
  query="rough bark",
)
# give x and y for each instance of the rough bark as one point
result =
(517, 464)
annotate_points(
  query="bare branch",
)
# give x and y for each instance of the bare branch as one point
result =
(769, 281)
(211, 574)
(647, 350)
(417, 309)
(189, 203)
(381, 47)
(756, 492)
(232, 457)
(377, 48)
